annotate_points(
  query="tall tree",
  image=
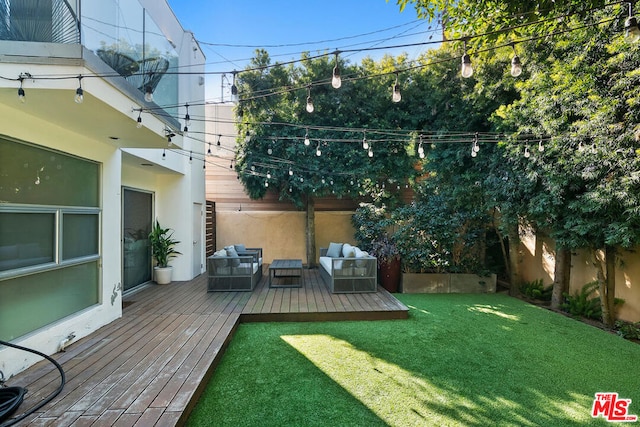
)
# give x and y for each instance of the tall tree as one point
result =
(303, 155)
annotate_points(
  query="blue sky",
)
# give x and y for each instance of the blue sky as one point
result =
(285, 28)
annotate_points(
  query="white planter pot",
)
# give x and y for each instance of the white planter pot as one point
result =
(162, 275)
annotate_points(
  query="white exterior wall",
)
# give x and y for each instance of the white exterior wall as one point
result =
(47, 340)
(176, 183)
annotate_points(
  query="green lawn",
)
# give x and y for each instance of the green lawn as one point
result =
(467, 360)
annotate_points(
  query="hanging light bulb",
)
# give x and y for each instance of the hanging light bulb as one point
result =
(310, 107)
(516, 65)
(139, 121)
(540, 146)
(370, 152)
(290, 172)
(21, 94)
(187, 118)
(234, 88)
(318, 152)
(79, 96)
(268, 175)
(631, 30)
(148, 94)
(467, 68)
(190, 156)
(527, 154)
(396, 96)
(336, 81)
(474, 153)
(269, 151)
(164, 154)
(306, 138)
(209, 150)
(365, 144)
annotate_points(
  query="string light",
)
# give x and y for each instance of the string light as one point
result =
(139, 121)
(527, 154)
(516, 65)
(209, 150)
(310, 107)
(187, 120)
(467, 68)
(306, 138)
(234, 88)
(370, 152)
(21, 94)
(190, 156)
(164, 154)
(631, 30)
(79, 96)
(365, 144)
(540, 146)
(336, 81)
(318, 152)
(148, 91)
(218, 143)
(396, 96)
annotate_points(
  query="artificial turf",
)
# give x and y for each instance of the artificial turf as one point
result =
(459, 360)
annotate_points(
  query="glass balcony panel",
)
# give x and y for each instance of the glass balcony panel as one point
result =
(48, 21)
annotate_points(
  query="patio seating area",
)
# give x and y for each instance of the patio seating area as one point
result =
(149, 367)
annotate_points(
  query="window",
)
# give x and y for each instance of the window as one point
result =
(49, 236)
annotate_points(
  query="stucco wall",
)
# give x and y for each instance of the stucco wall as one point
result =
(538, 258)
(281, 234)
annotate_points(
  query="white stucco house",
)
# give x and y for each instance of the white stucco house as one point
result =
(82, 182)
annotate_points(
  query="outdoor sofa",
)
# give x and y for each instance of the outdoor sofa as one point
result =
(234, 268)
(347, 269)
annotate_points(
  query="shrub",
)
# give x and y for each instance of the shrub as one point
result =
(628, 330)
(583, 303)
(536, 290)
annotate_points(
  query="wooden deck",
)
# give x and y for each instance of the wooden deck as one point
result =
(149, 367)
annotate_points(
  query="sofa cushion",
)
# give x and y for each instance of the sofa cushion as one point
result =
(360, 254)
(348, 251)
(334, 250)
(231, 252)
(240, 248)
(220, 262)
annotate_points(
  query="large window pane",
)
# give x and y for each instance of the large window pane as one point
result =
(31, 302)
(79, 235)
(37, 176)
(26, 239)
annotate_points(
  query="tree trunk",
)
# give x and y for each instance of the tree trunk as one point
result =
(311, 232)
(561, 276)
(606, 284)
(514, 261)
(503, 248)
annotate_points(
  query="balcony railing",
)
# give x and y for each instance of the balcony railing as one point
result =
(121, 33)
(49, 21)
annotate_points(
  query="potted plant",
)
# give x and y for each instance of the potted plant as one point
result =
(388, 255)
(162, 249)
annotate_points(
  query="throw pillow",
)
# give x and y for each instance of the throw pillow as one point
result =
(346, 250)
(221, 262)
(231, 252)
(240, 248)
(334, 250)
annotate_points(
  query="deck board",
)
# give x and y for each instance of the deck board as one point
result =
(149, 366)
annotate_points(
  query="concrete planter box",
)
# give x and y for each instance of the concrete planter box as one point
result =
(435, 283)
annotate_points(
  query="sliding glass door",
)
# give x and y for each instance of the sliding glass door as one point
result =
(137, 208)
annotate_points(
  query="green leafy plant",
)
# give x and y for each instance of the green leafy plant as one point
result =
(586, 303)
(628, 330)
(162, 245)
(385, 250)
(536, 290)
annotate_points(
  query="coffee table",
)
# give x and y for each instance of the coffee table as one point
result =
(291, 268)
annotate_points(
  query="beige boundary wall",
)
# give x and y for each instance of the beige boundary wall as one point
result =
(281, 234)
(538, 258)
